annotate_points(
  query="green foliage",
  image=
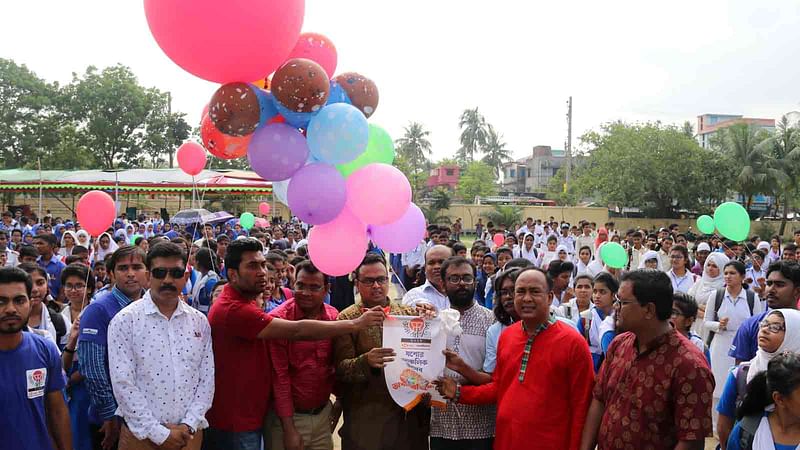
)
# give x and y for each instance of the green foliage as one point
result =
(473, 135)
(650, 166)
(441, 198)
(495, 151)
(413, 151)
(782, 154)
(506, 215)
(102, 118)
(740, 143)
(477, 180)
(555, 189)
(434, 216)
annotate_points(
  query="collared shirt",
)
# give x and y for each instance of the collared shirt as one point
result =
(162, 369)
(467, 421)
(12, 258)
(93, 352)
(655, 398)
(427, 293)
(681, 284)
(526, 353)
(304, 370)
(53, 267)
(243, 374)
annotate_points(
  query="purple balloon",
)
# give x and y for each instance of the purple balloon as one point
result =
(317, 193)
(277, 151)
(403, 235)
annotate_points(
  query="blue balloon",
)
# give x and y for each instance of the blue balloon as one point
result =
(265, 102)
(295, 119)
(338, 134)
(338, 94)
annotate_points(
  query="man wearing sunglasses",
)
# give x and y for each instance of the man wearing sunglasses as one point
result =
(160, 359)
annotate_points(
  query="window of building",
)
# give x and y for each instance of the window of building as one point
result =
(529, 173)
(449, 172)
(522, 172)
(513, 173)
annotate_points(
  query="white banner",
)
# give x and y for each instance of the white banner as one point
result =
(419, 344)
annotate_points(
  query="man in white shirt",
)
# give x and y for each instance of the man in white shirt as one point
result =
(586, 239)
(433, 291)
(160, 360)
(526, 228)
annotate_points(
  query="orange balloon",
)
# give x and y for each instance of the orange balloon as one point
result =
(222, 145)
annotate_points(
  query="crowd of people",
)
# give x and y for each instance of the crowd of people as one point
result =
(211, 336)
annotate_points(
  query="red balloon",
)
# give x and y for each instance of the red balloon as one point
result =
(221, 145)
(317, 48)
(96, 212)
(263, 208)
(191, 158)
(499, 239)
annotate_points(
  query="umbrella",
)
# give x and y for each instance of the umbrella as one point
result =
(192, 216)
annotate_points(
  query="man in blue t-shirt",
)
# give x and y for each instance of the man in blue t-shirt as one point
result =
(127, 270)
(782, 291)
(34, 415)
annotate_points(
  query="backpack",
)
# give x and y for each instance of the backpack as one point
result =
(751, 301)
(741, 382)
(749, 426)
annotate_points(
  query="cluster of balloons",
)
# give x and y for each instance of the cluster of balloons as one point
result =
(730, 218)
(301, 126)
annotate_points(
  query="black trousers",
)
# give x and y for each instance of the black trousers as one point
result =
(463, 444)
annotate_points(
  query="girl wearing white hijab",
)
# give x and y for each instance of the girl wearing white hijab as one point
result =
(650, 260)
(68, 242)
(772, 378)
(707, 286)
(83, 238)
(527, 249)
(104, 246)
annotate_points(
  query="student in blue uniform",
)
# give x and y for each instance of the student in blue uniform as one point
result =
(34, 415)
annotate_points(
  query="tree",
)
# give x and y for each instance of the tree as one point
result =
(740, 143)
(413, 151)
(29, 115)
(495, 151)
(111, 110)
(652, 167)
(478, 180)
(555, 189)
(688, 129)
(165, 131)
(506, 215)
(473, 135)
(782, 151)
(441, 198)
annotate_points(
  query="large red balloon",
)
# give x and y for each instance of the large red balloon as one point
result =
(221, 145)
(96, 212)
(317, 48)
(226, 40)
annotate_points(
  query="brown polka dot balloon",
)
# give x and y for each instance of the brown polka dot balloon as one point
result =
(301, 85)
(234, 109)
(362, 91)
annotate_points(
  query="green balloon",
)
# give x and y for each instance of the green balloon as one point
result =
(380, 149)
(732, 221)
(247, 220)
(614, 255)
(705, 224)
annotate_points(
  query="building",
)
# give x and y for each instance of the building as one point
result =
(444, 176)
(532, 174)
(709, 124)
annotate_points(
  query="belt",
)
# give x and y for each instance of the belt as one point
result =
(312, 412)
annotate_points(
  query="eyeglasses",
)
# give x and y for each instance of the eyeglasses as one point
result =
(506, 292)
(159, 273)
(466, 279)
(308, 288)
(621, 303)
(370, 281)
(772, 326)
(74, 287)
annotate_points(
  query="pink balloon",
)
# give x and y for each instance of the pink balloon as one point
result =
(226, 41)
(96, 212)
(337, 247)
(378, 194)
(191, 158)
(263, 208)
(499, 239)
(403, 235)
(317, 48)
(262, 222)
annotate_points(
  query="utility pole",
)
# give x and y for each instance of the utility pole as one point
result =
(569, 141)
(169, 128)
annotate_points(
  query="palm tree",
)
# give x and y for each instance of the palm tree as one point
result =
(740, 142)
(415, 146)
(441, 198)
(783, 152)
(495, 151)
(434, 216)
(504, 215)
(473, 134)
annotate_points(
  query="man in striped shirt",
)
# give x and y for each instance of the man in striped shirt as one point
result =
(128, 273)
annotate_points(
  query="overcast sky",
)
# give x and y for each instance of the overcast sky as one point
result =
(518, 61)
